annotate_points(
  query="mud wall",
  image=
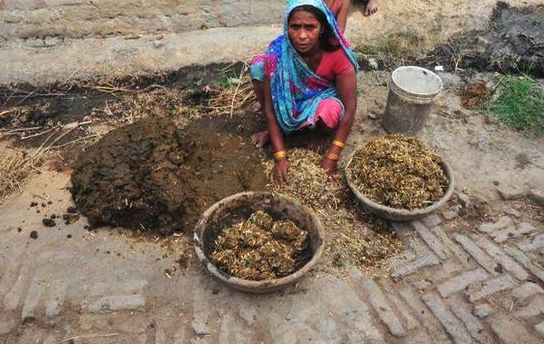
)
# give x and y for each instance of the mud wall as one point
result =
(22, 19)
(49, 22)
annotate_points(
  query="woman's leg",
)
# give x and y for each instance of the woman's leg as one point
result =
(328, 113)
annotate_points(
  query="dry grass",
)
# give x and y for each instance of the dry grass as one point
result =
(399, 171)
(15, 168)
(353, 235)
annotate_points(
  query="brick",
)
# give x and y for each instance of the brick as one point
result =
(428, 321)
(117, 302)
(432, 220)
(527, 290)
(480, 256)
(491, 287)
(462, 281)
(248, 313)
(449, 215)
(431, 240)
(457, 251)
(502, 222)
(483, 310)
(510, 331)
(533, 309)
(503, 235)
(418, 338)
(409, 319)
(7, 323)
(32, 299)
(54, 304)
(521, 258)
(428, 259)
(13, 298)
(380, 305)
(461, 309)
(447, 319)
(403, 258)
(532, 244)
(540, 329)
(200, 327)
(506, 262)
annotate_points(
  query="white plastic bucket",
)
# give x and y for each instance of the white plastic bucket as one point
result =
(412, 90)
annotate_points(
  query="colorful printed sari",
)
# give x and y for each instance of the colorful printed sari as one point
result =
(295, 89)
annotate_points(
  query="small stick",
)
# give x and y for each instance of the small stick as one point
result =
(38, 134)
(88, 336)
(25, 129)
(236, 90)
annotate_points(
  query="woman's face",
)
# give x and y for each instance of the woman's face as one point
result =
(304, 31)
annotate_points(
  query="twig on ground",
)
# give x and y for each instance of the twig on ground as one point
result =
(88, 336)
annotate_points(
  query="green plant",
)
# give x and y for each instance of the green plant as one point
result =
(520, 104)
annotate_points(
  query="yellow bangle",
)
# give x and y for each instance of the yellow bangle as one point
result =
(280, 155)
(332, 156)
(339, 143)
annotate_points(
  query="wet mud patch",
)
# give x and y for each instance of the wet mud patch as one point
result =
(153, 177)
(513, 42)
(222, 161)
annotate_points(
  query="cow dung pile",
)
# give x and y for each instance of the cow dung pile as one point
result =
(134, 177)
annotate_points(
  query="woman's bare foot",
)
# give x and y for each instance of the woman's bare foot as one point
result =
(371, 8)
(260, 139)
(255, 106)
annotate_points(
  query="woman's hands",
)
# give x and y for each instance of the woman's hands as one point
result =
(330, 167)
(281, 168)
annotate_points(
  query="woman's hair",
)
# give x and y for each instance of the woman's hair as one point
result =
(327, 36)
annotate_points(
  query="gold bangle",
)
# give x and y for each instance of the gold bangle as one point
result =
(332, 156)
(280, 155)
(339, 143)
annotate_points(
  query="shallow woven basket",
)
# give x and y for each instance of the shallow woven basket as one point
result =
(240, 206)
(395, 214)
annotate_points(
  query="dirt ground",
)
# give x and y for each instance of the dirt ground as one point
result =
(66, 280)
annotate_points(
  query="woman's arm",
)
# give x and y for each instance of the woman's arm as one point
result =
(275, 132)
(346, 85)
(342, 18)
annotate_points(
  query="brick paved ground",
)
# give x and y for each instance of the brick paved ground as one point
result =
(453, 284)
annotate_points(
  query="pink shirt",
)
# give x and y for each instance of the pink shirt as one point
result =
(334, 63)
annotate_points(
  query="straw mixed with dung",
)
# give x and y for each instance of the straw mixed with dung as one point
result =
(354, 236)
(260, 248)
(399, 171)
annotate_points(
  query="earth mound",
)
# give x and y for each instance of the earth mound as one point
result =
(513, 42)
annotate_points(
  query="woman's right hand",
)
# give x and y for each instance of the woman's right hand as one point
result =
(280, 170)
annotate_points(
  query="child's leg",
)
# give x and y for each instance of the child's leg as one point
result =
(371, 7)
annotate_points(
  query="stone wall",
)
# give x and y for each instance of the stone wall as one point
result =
(30, 19)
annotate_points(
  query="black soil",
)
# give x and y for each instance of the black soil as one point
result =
(513, 42)
(134, 177)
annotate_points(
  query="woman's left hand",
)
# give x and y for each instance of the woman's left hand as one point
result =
(330, 167)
